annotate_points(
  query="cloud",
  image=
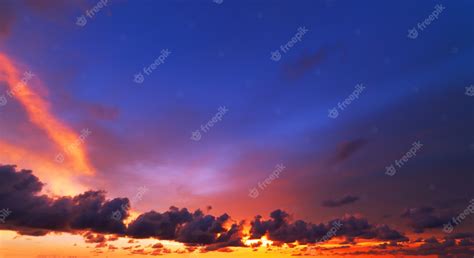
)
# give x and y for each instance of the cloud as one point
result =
(447, 247)
(40, 114)
(90, 214)
(444, 248)
(94, 238)
(346, 149)
(424, 218)
(160, 225)
(343, 201)
(35, 214)
(279, 228)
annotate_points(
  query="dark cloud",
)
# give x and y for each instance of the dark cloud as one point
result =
(36, 214)
(448, 247)
(444, 248)
(202, 229)
(279, 228)
(188, 228)
(424, 218)
(346, 149)
(90, 214)
(160, 225)
(343, 201)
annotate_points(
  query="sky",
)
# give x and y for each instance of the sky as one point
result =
(204, 128)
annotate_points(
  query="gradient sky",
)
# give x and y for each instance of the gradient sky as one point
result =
(140, 133)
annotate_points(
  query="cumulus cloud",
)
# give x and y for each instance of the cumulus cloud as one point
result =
(423, 218)
(36, 214)
(90, 214)
(279, 228)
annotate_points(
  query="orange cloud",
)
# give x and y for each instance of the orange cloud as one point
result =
(39, 113)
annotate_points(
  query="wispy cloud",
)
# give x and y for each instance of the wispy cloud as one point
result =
(40, 114)
(340, 202)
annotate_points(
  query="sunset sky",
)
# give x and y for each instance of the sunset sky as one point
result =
(236, 128)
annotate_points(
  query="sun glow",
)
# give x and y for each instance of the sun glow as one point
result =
(263, 240)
